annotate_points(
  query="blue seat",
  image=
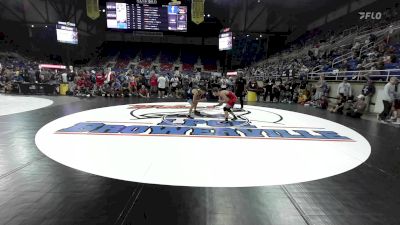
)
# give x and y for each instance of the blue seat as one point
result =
(391, 66)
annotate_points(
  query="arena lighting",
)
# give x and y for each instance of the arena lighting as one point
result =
(208, 15)
(103, 10)
(248, 35)
(260, 35)
(257, 39)
(32, 26)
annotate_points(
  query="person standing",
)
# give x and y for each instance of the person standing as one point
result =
(368, 91)
(268, 89)
(224, 83)
(174, 85)
(240, 89)
(320, 88)
(345, 89)
(388, 97)
(396, 105)
(161, 86)
(153, 83)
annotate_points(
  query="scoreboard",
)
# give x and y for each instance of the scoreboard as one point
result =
(142, 16)
(225, 40)
(67, 33)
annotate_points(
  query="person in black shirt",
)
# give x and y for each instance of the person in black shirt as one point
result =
(240, 85)
(268, 89)
(368, 91)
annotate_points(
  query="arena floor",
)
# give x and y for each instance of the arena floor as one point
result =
(35, 189)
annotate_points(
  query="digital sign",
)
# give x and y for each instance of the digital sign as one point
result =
(67, 33)
(225, 41)
(143, 15)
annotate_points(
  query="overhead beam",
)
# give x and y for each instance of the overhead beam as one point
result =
(256, 17)
(21, 19)
(38, 11)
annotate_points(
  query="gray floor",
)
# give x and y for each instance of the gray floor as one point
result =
(36, 190)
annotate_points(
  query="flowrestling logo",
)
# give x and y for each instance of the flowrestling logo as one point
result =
(370, 15)
(156, 143)
(171, 120)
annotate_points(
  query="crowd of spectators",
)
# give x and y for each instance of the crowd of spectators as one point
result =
(292, 88)
(316, 51)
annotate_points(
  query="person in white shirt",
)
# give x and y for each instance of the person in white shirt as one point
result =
(345, 89)
(161, 86)
(63, 77)
(174, 84)
(388, 96)
(223, 83)
(177, 73)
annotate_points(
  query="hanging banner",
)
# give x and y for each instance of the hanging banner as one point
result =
(198, 11)
(92, 9)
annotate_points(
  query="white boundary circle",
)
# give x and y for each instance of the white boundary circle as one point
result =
(18, 104)
(203, 160)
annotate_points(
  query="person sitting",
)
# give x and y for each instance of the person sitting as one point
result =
(143, 92)
(116, 88)
(358, 108)
(125, 88)
(106, 89)
(321, 103)
(304, 96)
(338, 108)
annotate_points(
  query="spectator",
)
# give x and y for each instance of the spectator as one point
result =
(133, 85)
(153, 83)
(223, 83)
(143, 92)
(396, 105)
(304, 96)
(276, 90)
(322, 103)
(161, 86)
(358, 108)
(174, 85)
(388, 97)
(344, 88)
(338, 108)
(253, 86)
(368, 91)
(320, 88)
(116, 88)
(268, 89)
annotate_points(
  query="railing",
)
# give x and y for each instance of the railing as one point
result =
(347, 39)
(364, 48)
(349, 31)
(383, 75)
(317, 69)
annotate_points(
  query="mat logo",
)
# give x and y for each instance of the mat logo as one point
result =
(370, 15)
(171, 120)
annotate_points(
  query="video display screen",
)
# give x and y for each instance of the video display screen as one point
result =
(67, 33)
(146, 17)
(225, 41)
